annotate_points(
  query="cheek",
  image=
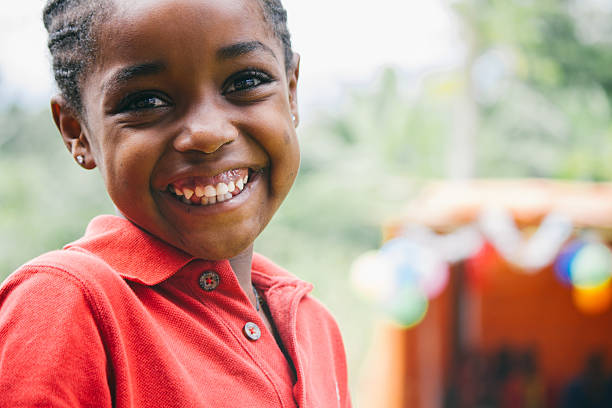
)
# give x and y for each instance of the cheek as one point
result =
(127, 168)
(285, 163)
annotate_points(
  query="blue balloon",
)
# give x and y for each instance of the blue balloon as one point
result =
(563, 263)
(402, 254)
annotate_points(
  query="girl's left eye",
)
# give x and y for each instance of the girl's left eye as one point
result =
(247, 80)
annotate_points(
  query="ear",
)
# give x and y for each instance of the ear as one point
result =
(72, 131)
(293, 77)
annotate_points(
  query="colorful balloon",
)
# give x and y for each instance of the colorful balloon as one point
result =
(406, 308)
(416, 265)
(372, 277)
(562, 265)
(592, 266)
(594, 300)
(482, 266)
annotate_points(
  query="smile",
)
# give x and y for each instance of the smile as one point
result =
(210, 190)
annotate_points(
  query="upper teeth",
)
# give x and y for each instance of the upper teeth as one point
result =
(210, 194)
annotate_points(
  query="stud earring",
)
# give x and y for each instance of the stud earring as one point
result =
(80, 159)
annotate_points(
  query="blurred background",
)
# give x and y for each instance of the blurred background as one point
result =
(452, 208)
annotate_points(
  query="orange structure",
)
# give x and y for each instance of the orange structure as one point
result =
(415, 367)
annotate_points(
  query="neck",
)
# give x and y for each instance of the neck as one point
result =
(241, 264)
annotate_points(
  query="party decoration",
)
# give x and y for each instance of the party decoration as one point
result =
(594, 300)
(455, 246)
(530, 254)
(409, 271)
(541, 249)
(416, 265)
(592, 266)
(563, 263)
(372, 277)
(400, 278)
(481, 266)
(407, 308)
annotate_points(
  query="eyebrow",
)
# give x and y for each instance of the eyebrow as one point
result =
(128, 73)
(243, 48)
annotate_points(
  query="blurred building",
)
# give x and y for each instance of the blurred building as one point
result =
(508, 329)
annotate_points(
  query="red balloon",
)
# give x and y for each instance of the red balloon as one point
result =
(482, 265)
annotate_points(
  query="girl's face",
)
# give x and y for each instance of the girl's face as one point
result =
(185, 95)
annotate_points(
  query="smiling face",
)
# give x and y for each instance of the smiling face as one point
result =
(187, 98)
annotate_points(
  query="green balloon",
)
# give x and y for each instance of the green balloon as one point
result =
(407, 308)
(592, 266)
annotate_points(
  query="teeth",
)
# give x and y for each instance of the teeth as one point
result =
(209, 194)
(188, 193)
(222, 189)
(199, 191)
(210, 191)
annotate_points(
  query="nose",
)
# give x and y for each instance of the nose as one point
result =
(207, 128)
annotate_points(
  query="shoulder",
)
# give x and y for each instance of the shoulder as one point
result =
(73, 264)
(51, 335)
(60, 279)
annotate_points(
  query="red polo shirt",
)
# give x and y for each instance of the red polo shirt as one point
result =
(121, 319)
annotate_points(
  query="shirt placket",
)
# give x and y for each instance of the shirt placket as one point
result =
(216, 287)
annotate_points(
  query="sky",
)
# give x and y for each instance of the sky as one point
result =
(341, 42)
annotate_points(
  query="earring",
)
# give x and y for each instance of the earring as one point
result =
(80, 159)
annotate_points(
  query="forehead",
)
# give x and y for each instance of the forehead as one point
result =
(138, 28)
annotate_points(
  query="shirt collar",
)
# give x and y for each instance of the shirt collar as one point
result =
(141, 257)
(266, 274)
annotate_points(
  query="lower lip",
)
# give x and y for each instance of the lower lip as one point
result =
(228, 205)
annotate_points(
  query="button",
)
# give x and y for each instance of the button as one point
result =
(209, 280)
(251, 330)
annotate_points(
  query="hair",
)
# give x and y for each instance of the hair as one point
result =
(71, 25)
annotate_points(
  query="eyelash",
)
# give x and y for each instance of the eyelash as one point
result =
(249, 79)
(241, 82)
(137, 102)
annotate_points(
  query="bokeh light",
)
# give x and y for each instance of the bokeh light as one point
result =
(416, 265)
(407, 308)
(563, 263)
(592, 266)
(594, 300)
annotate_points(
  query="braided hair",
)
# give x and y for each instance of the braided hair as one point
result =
(72, 39)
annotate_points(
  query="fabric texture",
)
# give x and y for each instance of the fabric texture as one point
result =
(119, 319)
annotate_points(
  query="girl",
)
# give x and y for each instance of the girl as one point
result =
(188, 109)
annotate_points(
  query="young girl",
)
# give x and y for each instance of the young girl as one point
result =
(188, 109)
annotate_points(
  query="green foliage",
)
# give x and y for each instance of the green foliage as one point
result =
(45, 199)
(552, 117)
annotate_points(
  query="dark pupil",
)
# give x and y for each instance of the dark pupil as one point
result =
(245, 83)
(145, 103)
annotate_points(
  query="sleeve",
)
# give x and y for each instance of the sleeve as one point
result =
(51, 352)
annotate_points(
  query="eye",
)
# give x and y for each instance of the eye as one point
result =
(143, 102)
(246, 80)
